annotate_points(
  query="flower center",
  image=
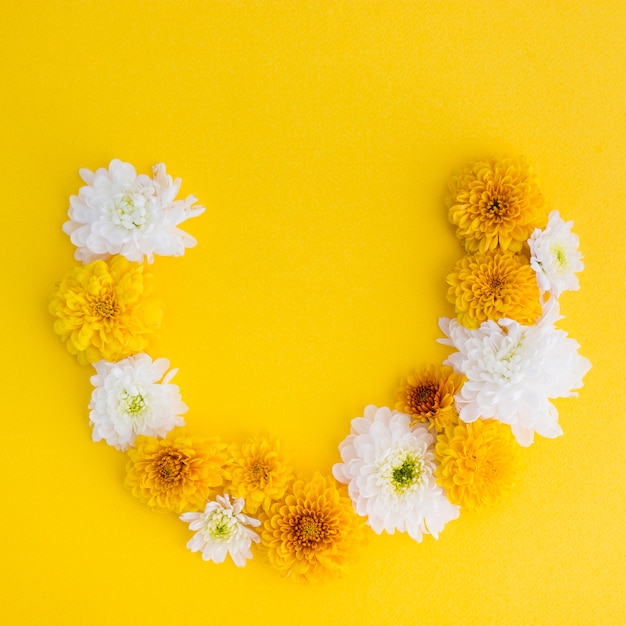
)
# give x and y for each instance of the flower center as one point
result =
(105, 306)
(495, 207)
(424, 398)
(133, 405)
(559, 255)
(403, 471)
(220, 525)
(309, 529)
(259, 471)
(170, 467)
(130, 210)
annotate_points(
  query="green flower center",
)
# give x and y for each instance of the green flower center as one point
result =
(130, 210)
(559, 255)
(402, 471)
(406, 474)
(133, 405)
(220, 525)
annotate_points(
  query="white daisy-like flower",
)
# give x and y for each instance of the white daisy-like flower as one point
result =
(128, 400)
(513, 371)
(390, 471)
(555, 257)
(120, 212)
(222, 529)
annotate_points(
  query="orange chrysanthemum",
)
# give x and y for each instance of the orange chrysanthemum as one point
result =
(496, 204)
(428, 396)
(103, 310)
(314, 531)
(492, 285)
(478, 462)
(178, 473)
(258, 473)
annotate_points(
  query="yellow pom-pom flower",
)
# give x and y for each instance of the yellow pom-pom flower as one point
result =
(258, 472)
(178, 473)
(496, 204)
(103, 310)
(492, 285)
(478, 462)
(314, 531)
(428, 396)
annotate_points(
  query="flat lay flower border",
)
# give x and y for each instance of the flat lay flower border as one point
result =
(452, 440)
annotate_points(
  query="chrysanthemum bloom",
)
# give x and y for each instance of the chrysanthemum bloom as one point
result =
(130, 399)
(119, 212)
(313, 532)
(478, 462)
(512, 372)
(258, 472)
(177, 473)
(491, 285)
(496, 204)
(428, 396)
(222, 529)
(390, 471)
(555, 257)
(103, 310)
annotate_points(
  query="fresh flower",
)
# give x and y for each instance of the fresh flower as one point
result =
(492, 285)
(128, 400)
(514, 370)
(390, 472)
(496, 204)
(555, 256)
(478, 462)
(428, 396)
(103, 310)
(258, 472)
(119, 212)
(222, 529)
(313, 532)
(177, 473)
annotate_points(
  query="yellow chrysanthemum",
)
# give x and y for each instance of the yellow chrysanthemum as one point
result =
(314, 531)
(258, 473)
(428, 396)
(496, 204)
(478, 462)
(178, 473)
(491, 285)
(103, 310)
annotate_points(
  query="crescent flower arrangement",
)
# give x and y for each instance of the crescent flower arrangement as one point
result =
(451, 441)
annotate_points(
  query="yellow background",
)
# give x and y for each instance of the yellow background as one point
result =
(320, 136)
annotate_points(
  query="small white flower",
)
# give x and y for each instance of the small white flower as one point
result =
(390, 472)
(222, 529)
(555, 256)
(514, 370)
(120, 212)
(128, 400)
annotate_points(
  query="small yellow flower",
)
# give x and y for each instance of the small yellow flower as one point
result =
(478, 462)
(178, 473)
(492, 285)
(258, 473)
(103, 310)
(428, 396)
(496, 204)
(314, 531)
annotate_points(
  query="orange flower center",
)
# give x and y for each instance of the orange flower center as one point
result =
(259, 470)
(105, 306)
(309, 529)
(171, 466)
(423, 398)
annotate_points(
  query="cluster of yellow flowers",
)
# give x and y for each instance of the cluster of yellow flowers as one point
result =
(105, 312)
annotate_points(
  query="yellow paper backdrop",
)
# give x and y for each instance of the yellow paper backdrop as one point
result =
(320, 136)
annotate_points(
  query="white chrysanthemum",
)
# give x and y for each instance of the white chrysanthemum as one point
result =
(514, 370)
(128, 400)
(120, 212)
(555, 256)
(221, 530)
(390, 472)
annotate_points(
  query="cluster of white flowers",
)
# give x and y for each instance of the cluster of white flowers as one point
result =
(389, 469)
(120, 212)
(513, 370)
